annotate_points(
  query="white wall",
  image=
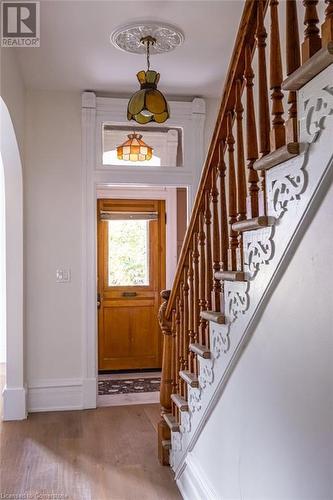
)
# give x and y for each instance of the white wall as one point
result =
(271, 434)
(52, 193)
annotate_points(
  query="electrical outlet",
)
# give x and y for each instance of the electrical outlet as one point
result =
(63, 275)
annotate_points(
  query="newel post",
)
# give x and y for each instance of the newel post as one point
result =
(166, 380)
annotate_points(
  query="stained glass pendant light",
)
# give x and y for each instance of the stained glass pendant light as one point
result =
(148, 104)
(134, 149)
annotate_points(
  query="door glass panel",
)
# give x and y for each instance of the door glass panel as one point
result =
(128, 253)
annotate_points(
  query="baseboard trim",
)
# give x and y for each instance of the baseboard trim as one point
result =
(14, 403)
(193, 483)
(62, 395)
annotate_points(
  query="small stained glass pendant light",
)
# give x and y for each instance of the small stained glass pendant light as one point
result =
(148, 104)
(134, 149)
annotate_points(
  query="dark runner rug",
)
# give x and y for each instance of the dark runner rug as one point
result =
(128, 386)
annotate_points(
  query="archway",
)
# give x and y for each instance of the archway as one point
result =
(14, 394)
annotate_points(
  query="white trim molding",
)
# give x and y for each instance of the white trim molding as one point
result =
(190, 116)
(193, 482)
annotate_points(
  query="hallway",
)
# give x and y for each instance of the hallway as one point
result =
(103, 454)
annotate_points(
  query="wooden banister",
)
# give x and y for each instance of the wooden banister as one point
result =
(230, 197)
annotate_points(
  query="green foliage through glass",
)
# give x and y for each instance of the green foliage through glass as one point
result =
(128, 253)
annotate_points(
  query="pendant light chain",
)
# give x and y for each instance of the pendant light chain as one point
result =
(148, 55)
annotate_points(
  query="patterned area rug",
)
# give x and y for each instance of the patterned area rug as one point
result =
(128, 386)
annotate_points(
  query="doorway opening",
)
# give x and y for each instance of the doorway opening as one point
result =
(136, 261)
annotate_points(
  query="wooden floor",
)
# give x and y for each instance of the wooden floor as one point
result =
(103, 454)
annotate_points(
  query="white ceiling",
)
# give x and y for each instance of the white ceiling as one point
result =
(76, 53)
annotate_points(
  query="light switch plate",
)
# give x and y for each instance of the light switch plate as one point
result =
(63, 275)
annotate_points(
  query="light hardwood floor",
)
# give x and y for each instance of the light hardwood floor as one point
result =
(103, 454)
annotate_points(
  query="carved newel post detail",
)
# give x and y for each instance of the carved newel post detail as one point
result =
(166, 380)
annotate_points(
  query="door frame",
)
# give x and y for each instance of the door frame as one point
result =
(156, 283)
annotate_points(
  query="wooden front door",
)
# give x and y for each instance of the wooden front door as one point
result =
(131, 274)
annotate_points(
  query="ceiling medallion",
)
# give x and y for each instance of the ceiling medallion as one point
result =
(128, 38)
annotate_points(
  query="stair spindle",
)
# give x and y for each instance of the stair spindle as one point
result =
(293, 62)
(215, 242)
(173, 356)
(202, 278)
(312, 40)
(223, 209)
(241, 178)
(264, 125)
(186, 342)
(208, 256)
(181, 338)
(195, 305)
(251, 135)
(177, 353)
(190, 278)
(327, 26)
(278, 134)
(232, 212)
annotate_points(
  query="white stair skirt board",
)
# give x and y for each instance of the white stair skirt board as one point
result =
(14, 403)
(193, 483)
(128, 399)
(294, 190)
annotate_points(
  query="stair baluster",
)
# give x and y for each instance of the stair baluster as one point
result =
(202, 279)
(196, 304)
(208, 257)
(216, 304)
(223, 208)
(251, 138)
(241, 178)
(190, 279)
(278, 133)
(327, 26)
(232, 208)
(293, 62)
(312, 40)
(264, 141)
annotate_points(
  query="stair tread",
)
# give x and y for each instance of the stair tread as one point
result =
(180, 402)
(230, 275)
(171, 422)
(278, 156)
(311, 68)
(190, 378)
(201, 350)
(252, 224)
(215, 316)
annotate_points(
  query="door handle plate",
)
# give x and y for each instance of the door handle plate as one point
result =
(129, 294)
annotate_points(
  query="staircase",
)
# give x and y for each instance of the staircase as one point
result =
(263, 178)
